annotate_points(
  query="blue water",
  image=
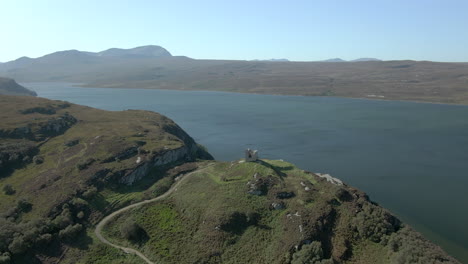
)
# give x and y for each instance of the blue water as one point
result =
(410, 157)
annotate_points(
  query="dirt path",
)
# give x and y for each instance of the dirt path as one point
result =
(106, 219)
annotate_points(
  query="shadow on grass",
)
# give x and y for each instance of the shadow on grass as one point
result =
(277, 169)
(81, 242)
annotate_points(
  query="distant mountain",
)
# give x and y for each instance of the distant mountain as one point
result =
(73, 58)
(10, 87)
(366, 59)
(154, 67)
(356, 60)
(334, 60)
(18, 63)
(144, 51)
(273, 60)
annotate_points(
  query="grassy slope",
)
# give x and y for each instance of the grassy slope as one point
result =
(211, 218)
(57, 184)
(101, 134)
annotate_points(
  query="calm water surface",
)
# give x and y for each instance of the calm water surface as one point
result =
(412, 158)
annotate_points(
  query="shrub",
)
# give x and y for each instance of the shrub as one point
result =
(24, 206)
(64, 219)
(85, 164)
(6, 235)
(310, 254)
(44, 239)
(70, 231)
(8, 189)
(38, 159)
(80, 215)
(375, 223)
(131, 230)
(235, 223)
(5, 258)
(90, 193)
(18, 245)
(79, 204)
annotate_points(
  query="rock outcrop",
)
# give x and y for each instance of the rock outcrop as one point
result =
(41, 130)
(185, 153)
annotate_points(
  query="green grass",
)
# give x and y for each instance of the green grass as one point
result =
(206, 219)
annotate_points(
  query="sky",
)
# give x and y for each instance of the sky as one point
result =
(300, 30)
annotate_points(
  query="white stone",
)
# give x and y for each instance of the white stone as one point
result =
(330, 179)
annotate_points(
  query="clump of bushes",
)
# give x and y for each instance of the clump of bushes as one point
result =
(46, 110)
(375, 223)
(70, 232)
(310, 254)
(22, 206)
(85, 164)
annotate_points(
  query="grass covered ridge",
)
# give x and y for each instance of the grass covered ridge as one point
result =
(213, 218)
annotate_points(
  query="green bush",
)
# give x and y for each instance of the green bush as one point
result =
(309, 254)
(90, 193)
(131, 230)
(70, 232)
(24, 206)
(63, 220)
(375, 223)
(8, 189)
(18, 245)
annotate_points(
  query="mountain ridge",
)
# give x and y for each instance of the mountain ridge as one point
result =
(152, 67)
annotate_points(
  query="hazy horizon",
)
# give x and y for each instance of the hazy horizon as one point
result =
(296, 30)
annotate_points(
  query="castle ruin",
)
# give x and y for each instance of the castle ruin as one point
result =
(251, 155)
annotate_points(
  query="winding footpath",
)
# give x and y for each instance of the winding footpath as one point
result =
(106, 219)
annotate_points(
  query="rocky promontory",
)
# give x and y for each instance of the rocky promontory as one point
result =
(10, 87)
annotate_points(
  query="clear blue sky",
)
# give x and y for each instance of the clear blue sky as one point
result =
(241, 29)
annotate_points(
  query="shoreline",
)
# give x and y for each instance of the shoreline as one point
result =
(84, 85)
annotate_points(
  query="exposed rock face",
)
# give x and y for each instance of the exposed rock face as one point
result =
(185, 153)
(41, 130)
